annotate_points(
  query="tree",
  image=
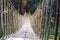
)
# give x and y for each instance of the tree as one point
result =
(26, 5)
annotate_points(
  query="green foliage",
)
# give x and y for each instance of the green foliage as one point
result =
(51, 36)
(1, 32)
(52, 31)
(32, 5)
(59, 29)
(52, 22)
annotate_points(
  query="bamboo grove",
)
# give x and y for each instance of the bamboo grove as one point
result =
(50, 20)
(46, 22)
(8, 18)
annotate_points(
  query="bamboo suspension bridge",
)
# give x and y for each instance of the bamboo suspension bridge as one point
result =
(29, 20)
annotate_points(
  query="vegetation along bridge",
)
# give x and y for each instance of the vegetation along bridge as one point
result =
(29, 20)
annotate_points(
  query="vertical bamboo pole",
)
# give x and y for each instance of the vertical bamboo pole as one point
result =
(56, 22)
(42, 18)
(17, 20)
(45, 24)
(13, 18)
(37, 23)
(41, 23)
(11, 21)
(59, 13)
(2, 17)
(10, 17)
(5, 15)
(41, 27)
(49, 23)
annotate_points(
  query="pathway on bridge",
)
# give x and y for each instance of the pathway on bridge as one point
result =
(25, 33)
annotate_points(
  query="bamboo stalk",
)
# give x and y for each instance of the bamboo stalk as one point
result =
(17, 20)
(56, 22)
(41, 23)
(49, 23)
(13, 19)
(45, 25)
(2, 17)
(5, 15)
(10, 18)
(42, 19)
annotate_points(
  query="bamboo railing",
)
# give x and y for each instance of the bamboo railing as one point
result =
(9, 18)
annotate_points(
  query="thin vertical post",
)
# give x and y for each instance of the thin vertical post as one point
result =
(9, 17)
(42, 19)
(56, 22)
(13, 17)
(5, 16)
(45, 23)
(49, 23)
(17, 20)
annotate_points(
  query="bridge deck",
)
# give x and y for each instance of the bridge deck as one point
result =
(25, 33)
